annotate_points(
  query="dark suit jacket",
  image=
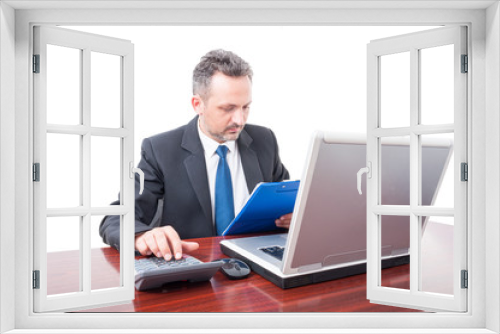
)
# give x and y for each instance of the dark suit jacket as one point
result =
(175, 171)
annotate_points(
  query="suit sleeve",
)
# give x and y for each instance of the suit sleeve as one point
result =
(280, 172)
(146, 204)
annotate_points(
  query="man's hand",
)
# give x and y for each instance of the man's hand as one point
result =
(284, 221)
(163, 242)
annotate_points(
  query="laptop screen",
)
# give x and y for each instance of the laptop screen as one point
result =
(329, 221)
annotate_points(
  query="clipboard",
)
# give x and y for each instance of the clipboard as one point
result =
(268, 202)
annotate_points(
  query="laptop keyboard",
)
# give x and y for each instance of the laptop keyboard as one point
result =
(274, 251)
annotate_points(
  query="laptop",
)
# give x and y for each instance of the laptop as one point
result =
(327, 235)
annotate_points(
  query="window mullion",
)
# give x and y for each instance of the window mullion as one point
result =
(85, 176)
(415, 170)
(127, 156)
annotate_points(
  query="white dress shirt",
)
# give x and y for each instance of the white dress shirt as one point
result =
(240, 189)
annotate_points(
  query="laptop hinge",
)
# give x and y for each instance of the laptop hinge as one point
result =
(464, 279)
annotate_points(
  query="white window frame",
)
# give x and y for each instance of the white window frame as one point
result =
(484, 144)
(86, 43)
(412, 44)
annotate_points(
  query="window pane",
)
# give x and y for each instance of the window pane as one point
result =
(437, 84)
(395, 171)
(105, 261)
(437, 170)
(436, 254)
(63, 255)
(395, 90)
(395, 232)
(63, 85)
(105, 90)
(105, 170)
(63, 170)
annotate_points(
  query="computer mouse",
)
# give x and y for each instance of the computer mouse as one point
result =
(234, 268)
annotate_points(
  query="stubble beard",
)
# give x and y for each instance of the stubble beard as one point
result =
(222, 136)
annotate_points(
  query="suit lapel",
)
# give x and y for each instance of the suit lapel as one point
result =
(249, 160)
(196, 166)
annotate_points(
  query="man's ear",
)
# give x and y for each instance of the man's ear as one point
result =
(197, 104)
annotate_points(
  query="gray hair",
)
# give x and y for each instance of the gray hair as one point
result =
(214, 61)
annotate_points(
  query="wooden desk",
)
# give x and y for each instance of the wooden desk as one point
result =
(254, 294)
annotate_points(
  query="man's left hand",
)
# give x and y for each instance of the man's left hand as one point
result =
(284, 221)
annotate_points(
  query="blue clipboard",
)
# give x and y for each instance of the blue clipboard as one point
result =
(268, 202)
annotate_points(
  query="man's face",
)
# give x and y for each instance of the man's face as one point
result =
(224, 113)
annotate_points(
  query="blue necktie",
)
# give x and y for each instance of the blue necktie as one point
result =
(224, 203)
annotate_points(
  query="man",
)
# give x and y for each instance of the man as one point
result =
(182, 188)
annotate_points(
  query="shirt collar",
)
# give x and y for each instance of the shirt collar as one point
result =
(210, 145)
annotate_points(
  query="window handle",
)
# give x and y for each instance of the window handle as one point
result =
(141, 176)
(368, 171)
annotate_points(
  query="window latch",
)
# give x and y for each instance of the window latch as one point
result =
(368, 171)
(139, 171)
